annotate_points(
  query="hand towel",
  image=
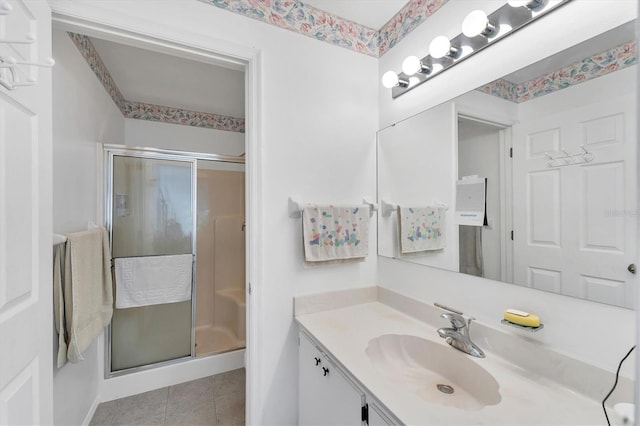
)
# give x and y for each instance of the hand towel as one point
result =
(58, 304)
(470, 238)
(153, 280)
(88, 291)
(421, 228)
(333, 232)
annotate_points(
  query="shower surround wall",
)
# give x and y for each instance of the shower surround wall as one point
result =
(220, 260)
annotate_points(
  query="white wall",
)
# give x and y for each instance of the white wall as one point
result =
(317, 143)
(142, 133)
(83, 114)
(596, 333)
(416, 167)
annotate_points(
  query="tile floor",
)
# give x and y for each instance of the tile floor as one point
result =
(214, 400)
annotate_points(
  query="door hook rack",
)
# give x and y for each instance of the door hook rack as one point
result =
(564, 158)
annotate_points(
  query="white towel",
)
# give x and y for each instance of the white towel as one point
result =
(58, 303)
(88, 290)
(470, 239)
(332, 233)
(153, 280)
(421, 228)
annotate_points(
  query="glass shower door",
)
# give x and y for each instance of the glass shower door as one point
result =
(152, 214)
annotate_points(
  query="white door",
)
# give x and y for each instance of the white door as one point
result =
(574, 226)
(26, 319)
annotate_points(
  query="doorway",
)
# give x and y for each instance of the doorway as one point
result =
(483, 151)
(216, 52)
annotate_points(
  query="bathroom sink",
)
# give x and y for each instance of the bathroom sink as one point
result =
(435, 372)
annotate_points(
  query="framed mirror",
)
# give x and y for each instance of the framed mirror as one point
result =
(556, 144)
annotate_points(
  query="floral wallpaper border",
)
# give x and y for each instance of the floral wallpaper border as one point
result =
(90, 54)
(603, 63)
(142, 111)
(406, 20)
(295, 16)
(164, 114)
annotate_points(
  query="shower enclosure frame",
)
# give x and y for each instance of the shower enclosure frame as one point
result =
(112, 150)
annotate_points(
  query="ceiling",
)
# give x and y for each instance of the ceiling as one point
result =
(371, 13)
(160, 79)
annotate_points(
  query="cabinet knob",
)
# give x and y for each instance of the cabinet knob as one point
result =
(317, 360)
(632, 268)
(325, 371)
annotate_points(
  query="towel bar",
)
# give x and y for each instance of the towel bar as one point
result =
(295, 207)
(386, 209)
(59, 239)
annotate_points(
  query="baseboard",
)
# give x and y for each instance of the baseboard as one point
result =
(91, 412)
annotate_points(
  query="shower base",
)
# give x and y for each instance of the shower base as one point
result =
(213, 340)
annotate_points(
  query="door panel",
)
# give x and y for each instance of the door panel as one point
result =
(579, 218)
(26, 376)
(543, 208)
(152, 207)
(152, 215)
(602, 185)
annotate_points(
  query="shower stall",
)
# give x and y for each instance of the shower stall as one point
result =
(177, 229)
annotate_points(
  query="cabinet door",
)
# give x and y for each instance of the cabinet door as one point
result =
(376, 418)
(325, 396)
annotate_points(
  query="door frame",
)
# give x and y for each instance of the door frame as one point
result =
(231, 55)
(503, 126)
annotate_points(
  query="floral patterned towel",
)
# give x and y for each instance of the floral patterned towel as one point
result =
(421, 228)
(332, 233)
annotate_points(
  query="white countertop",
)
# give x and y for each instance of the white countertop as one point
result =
(527, 398)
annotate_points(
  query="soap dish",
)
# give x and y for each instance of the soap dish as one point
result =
(523, 327)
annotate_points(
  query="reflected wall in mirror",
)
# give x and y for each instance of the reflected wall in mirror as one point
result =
(556, 142)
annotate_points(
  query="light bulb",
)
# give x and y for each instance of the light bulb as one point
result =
(477, 23)
(439, 47)
(411, 65)
(529, 4)
(390, 79)
(437, 68)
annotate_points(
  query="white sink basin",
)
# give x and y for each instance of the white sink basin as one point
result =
(422, 366)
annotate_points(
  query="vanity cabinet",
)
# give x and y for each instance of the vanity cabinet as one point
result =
(326, 395)
(376, 416)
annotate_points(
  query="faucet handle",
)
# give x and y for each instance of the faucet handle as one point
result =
(457, 321)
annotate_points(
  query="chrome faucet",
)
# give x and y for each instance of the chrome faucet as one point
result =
(458, 334)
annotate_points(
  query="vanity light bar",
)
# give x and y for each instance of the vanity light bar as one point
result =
(504, 21)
